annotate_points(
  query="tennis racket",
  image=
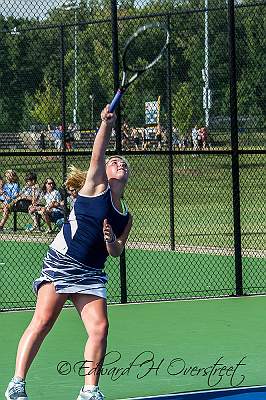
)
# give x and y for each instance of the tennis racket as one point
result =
(141, 52)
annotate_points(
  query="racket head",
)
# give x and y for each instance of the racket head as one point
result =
(145, 47)
(142, 50)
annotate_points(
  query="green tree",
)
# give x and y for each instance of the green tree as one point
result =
(4, 116)
(183, 108)
(252, 94)
(46, 108)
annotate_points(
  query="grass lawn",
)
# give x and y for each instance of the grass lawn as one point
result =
(202, 187)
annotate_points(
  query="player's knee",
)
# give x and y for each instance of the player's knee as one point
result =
(43, 324)
(100, 329)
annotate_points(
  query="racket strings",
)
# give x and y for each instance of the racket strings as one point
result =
(144, 48)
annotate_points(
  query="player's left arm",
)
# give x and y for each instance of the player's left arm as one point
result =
(114, 245)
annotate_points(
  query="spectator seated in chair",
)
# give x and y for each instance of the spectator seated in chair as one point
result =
(28, 194)
(10, 191)
(2, 197)
(52, 211)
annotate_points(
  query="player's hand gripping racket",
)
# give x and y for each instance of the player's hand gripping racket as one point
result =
(141, 52)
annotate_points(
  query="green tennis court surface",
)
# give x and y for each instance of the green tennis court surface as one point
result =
(153, 349)
(151, 274)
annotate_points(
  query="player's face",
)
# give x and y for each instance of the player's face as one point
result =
(116, 168)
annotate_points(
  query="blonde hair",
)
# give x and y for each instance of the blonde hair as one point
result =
(75, 178)
(12, 175)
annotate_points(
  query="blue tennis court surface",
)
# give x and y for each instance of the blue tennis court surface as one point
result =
(245, 393)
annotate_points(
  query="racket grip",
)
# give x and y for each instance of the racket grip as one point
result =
(116, 100)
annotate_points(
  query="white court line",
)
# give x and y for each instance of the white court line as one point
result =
(174, 396)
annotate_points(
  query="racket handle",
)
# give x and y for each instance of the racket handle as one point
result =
(116, 100)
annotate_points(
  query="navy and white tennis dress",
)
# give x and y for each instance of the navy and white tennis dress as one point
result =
(75, 259)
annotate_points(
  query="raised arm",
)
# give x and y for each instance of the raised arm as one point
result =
(96, 180)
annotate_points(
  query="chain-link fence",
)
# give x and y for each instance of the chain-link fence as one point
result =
(192, 128)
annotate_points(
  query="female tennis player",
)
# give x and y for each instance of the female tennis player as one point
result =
(98, 226)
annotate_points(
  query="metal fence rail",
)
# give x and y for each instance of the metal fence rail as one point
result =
(198, 199)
